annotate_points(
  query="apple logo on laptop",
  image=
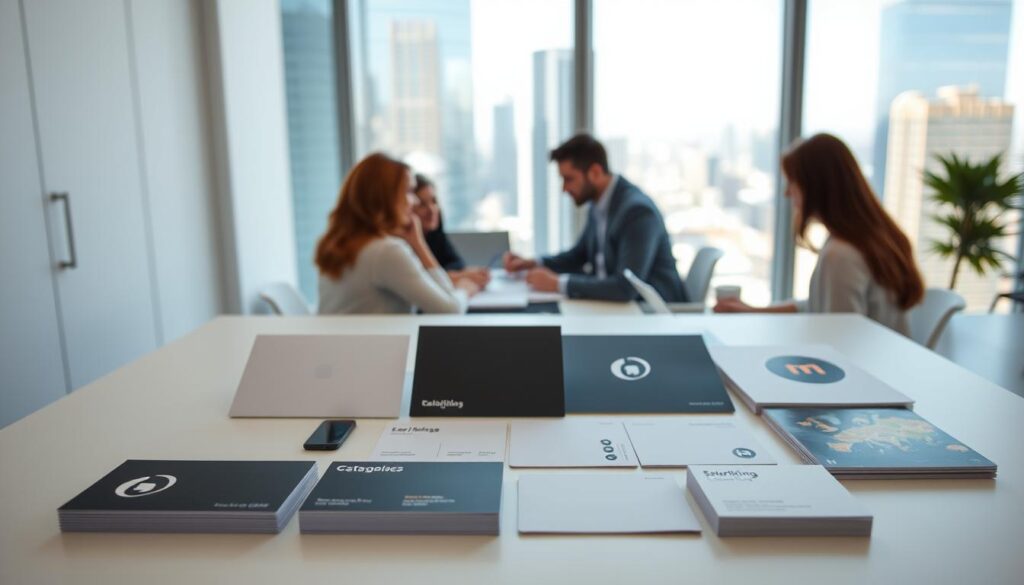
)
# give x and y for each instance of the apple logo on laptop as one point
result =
(631, 368)
(145, 486)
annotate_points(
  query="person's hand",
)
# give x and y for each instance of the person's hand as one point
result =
(514, 263)
(468, 285)
(412, 232)
(542, 279)
(732, 305)
(481, 276)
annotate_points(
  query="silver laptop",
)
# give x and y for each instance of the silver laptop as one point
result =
(657, 305)
(480, 248)
(323, 376)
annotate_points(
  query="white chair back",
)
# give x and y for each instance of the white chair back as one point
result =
(929, 319)
(284, 299)
(698, 279)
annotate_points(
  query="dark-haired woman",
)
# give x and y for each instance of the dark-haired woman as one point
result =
(867, 265)
(426, 208)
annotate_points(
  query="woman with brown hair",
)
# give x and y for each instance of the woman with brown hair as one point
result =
(866, 266)
(373, 257)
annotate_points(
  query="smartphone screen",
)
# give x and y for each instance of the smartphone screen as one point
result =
(329, 435)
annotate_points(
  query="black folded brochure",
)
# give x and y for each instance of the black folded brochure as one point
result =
(488, 371)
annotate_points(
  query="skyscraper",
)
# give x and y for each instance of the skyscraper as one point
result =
(312, 127)
(552, 124)
(961, 122)
(505, 160)
(927, 44)
(415, 88)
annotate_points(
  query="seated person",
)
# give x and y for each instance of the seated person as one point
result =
(374, 258)
(866, 266)
(448, 257)
(624, 230)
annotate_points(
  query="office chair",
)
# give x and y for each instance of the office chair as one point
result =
(284, 299)
(928, 320)
(698, 279)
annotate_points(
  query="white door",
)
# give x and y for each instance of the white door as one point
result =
(31, 361)
(82, 81)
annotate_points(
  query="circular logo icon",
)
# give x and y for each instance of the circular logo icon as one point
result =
(145, 486)
(805, 369)
(744, 453)
(630, 368)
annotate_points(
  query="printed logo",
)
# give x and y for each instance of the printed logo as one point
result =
(442, 404)
(145, 486)
(631, 368)
(730, 475)
(372, 469)
(805, 369)
(744, 453)
(609, 450)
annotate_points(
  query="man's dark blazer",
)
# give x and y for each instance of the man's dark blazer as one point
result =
(635, 238)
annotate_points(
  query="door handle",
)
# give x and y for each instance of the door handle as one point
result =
(65, 198)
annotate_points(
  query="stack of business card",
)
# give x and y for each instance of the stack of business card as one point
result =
(191, 496)
(800, 375)
(779, 500)
(877, 443)
(697, 440)
(603, 503)
(405, 498)
(570, 442)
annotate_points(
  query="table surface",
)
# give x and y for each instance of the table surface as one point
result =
(173, 404)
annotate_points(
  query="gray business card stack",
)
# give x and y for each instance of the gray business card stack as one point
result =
(191, 496)
(776, 500)
(405, 498)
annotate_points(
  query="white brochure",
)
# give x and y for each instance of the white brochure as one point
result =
(423, 440)
(603, 503)
(695, 440)
(570, 442)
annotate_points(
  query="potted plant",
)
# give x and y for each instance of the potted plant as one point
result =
(973, 205)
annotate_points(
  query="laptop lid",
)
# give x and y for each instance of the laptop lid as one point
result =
(641, 374)
(488, 371)
(480, 248)
(647, 293)
(323, 376)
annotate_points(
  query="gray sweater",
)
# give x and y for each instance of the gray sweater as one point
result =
(387, 277)
(842, 283)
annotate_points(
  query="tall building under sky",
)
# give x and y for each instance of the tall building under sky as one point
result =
(312, 127)
(415, 88)
(927, 44)
(504, 158)
(958, 121)
(552, 124)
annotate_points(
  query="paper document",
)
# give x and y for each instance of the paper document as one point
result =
(447, 441)
(702, 440)
(570, 442)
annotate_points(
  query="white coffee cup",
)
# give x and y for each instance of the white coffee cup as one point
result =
(727, 291)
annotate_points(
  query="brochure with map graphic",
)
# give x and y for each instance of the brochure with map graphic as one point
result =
(884, 443)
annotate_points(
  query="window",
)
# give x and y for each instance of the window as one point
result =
(312, 126)
(927, 77)
(686, 98)
(472, 93)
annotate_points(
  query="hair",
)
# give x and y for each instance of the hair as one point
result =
(582, 150)
(836, 193)
(367, 208)
(421, 182)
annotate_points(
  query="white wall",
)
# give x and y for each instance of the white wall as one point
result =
(177, 162)
(250, 139)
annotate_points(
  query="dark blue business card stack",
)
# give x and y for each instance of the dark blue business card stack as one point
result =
(191, 496)
(405, 498)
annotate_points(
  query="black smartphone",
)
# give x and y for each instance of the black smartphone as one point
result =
(329, 435)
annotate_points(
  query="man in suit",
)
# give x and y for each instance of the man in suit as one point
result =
(624, 230)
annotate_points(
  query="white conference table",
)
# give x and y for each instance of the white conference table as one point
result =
(173, 404)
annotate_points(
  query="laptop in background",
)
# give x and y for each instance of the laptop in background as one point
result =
(323, 376)
(480, 248)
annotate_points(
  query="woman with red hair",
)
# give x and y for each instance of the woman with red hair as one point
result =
(373, 257)
(867, 265)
